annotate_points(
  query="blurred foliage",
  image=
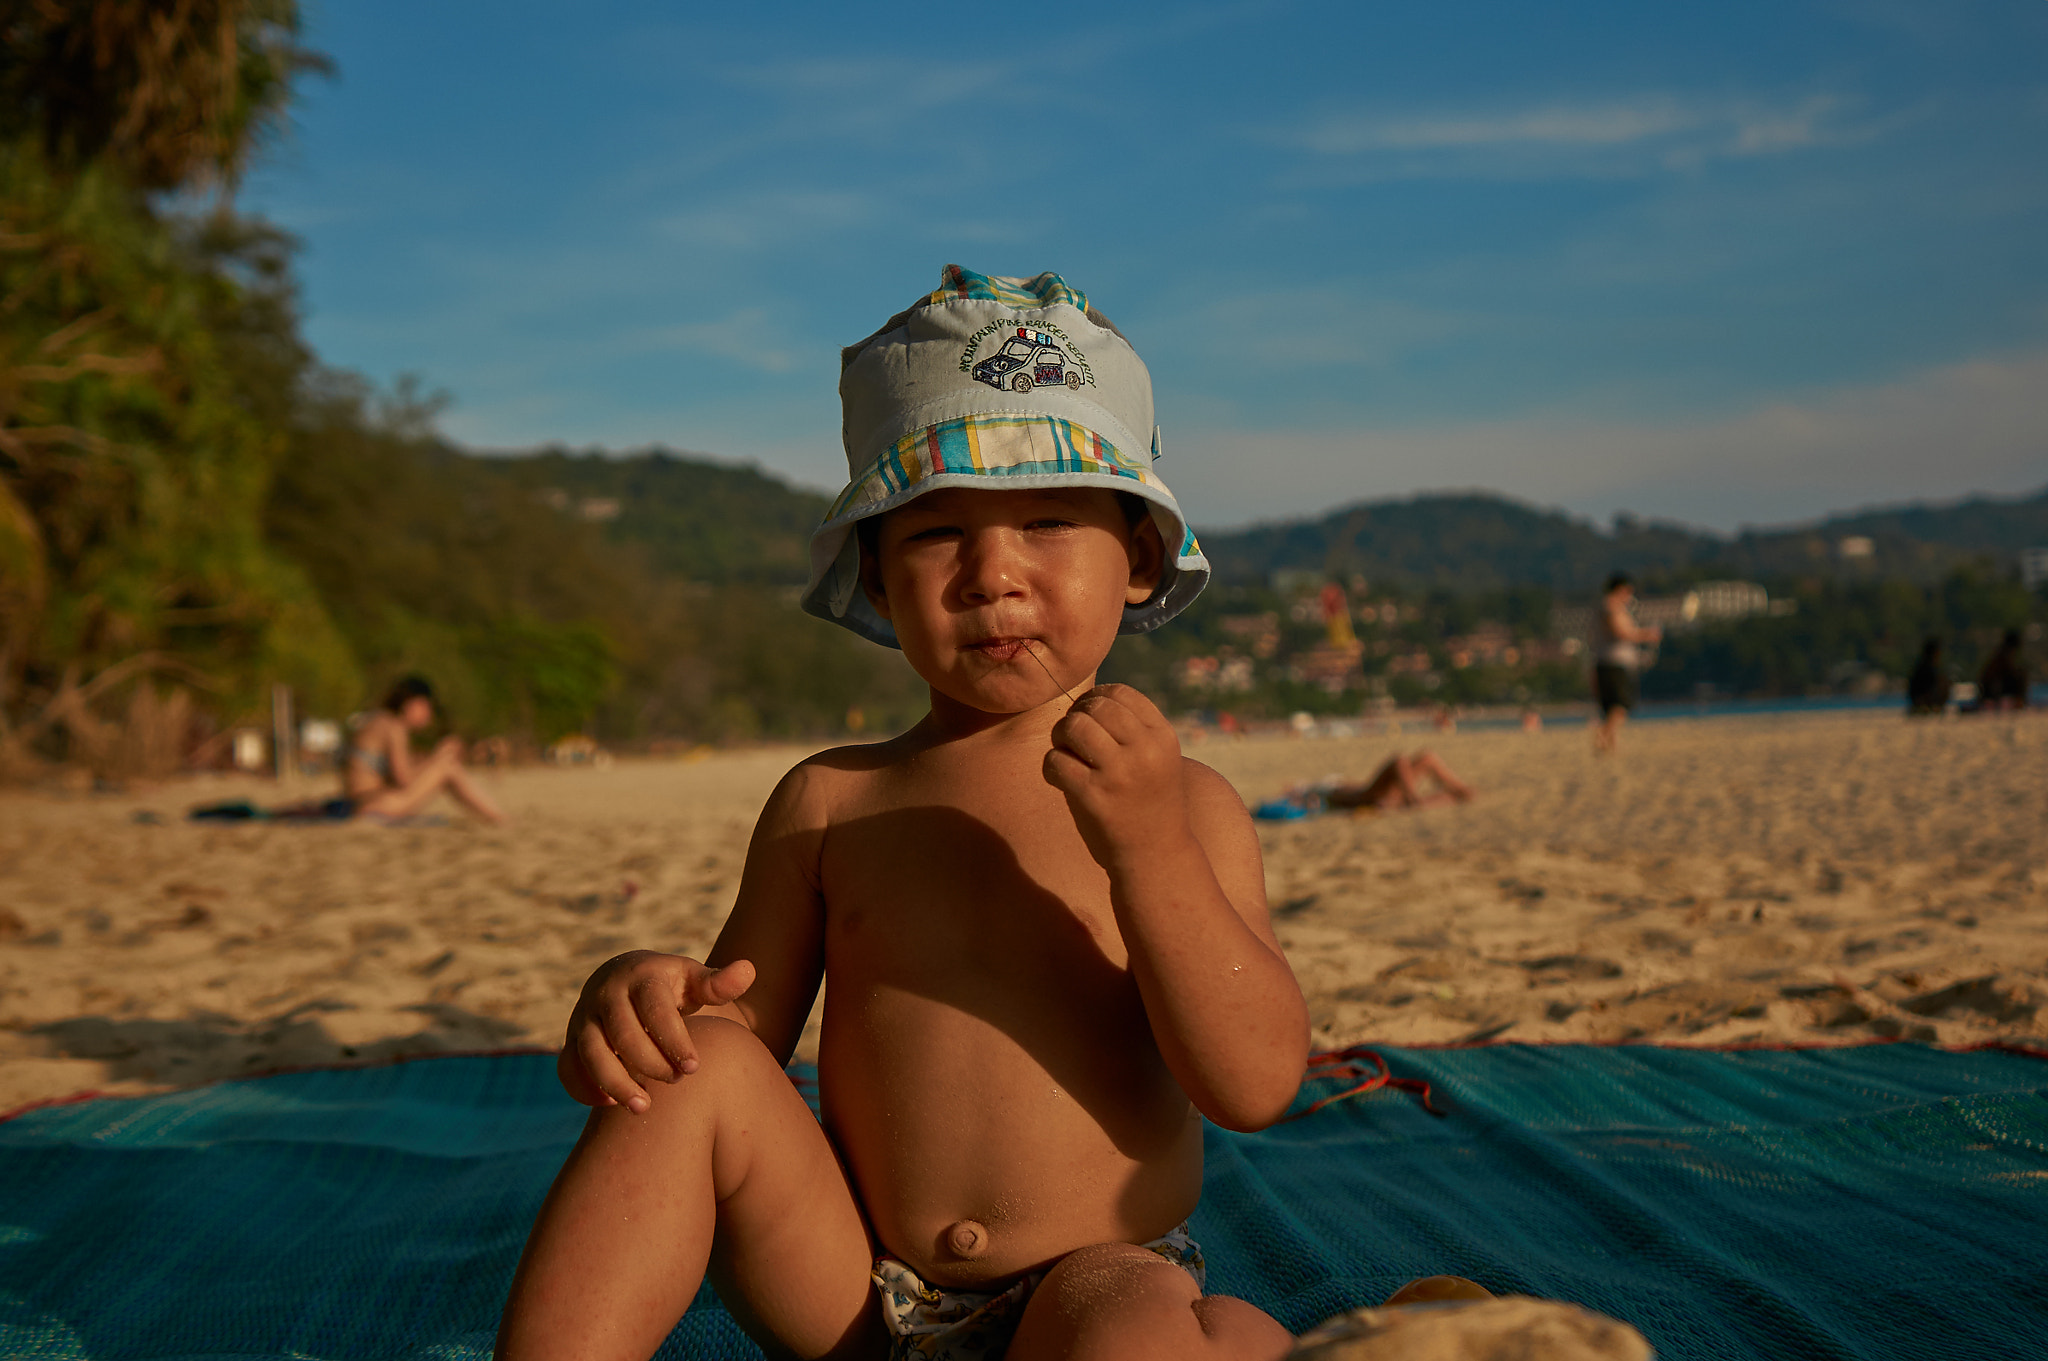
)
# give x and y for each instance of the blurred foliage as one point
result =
(426, 564)
(532, 619)
(170, 95)
(134, 470)
(1849, 635)
(186, 494)
(690, 517)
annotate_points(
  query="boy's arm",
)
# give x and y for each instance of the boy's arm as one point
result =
(763, 972)
(1189, 894)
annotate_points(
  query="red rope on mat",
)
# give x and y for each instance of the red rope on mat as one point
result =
(1345, 1065)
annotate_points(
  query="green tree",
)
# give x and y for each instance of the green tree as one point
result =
(133, 467)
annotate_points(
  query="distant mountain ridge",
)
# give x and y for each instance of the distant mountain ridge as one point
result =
(1482, 541)
(721, 523)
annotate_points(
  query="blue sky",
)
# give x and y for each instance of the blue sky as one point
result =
(1730, 263)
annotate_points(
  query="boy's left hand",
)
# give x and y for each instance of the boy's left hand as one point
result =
(1117, 760)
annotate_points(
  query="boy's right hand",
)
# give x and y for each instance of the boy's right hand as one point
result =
(628, 1024)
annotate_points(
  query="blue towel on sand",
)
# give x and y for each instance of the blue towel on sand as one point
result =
(1879, 1202)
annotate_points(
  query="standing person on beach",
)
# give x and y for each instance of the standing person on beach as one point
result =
(1927, 689)
(1045, 929)
(2002, 684)
(379, 774)
(1616, 658)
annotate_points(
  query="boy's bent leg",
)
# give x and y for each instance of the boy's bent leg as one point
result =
(1128, 1303)
(729, 1153)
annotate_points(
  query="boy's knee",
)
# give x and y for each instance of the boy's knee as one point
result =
(1126, 1302)
(1115, 1278)
(731, 1062)
(727, 1050)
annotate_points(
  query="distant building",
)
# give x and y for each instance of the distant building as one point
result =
(599, 508)
(1487, 645)
(1259, 632)
(1334, 667)
(1729, 599)
(1666, 612)
(1222, 674)
(1710, 602)
(2033, 566)
(1853, 546)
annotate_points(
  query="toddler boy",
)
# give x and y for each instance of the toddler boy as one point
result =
(1045, 930)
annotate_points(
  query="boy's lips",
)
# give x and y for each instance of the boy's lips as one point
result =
(1002, 649)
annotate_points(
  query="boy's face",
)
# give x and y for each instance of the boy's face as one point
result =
(989, 591)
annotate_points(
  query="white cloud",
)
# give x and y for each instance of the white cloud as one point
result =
(1345, 136)
(747, 336)
(911, 84)
(758, 221)
(1630, 134)
(1941, 433)
(1316, 328)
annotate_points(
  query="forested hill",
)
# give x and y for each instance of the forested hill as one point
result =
(1475, 541)
(695, 518)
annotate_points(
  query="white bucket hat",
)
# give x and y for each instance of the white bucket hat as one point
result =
(996, 383)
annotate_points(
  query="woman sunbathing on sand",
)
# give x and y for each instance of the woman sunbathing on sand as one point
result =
(379, 774)
(1399, 785)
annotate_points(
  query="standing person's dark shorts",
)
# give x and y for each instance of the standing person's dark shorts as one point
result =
(1614, 686)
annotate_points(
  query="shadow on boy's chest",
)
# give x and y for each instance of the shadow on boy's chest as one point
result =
(935, 887)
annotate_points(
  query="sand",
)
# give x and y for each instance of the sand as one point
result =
(1820, 879)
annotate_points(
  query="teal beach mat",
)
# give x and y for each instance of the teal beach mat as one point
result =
(1881, 1202)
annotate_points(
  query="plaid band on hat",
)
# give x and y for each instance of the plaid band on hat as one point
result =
(995, 445)
(1041, 290)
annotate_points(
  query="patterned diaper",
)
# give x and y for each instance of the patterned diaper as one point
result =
(927, 1323)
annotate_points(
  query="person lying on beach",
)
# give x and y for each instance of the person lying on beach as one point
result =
(380, 776)
(1399, 784)
(1044, 929)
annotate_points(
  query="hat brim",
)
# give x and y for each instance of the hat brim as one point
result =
(1004, 454)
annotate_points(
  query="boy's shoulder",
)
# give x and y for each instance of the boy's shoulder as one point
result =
(1213, 801)
(818, 785)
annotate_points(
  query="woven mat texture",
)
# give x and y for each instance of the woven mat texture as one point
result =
(1881, 1202)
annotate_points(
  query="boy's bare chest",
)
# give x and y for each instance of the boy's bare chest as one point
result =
(998, 878)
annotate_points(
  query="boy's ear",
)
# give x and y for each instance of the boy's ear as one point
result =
(871, 573)
(1148, 561)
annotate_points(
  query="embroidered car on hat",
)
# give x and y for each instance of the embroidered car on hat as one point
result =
(994, 381)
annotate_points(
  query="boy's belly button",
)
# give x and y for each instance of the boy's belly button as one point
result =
(966, 1238)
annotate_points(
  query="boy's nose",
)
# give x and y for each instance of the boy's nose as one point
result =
(990, 568)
